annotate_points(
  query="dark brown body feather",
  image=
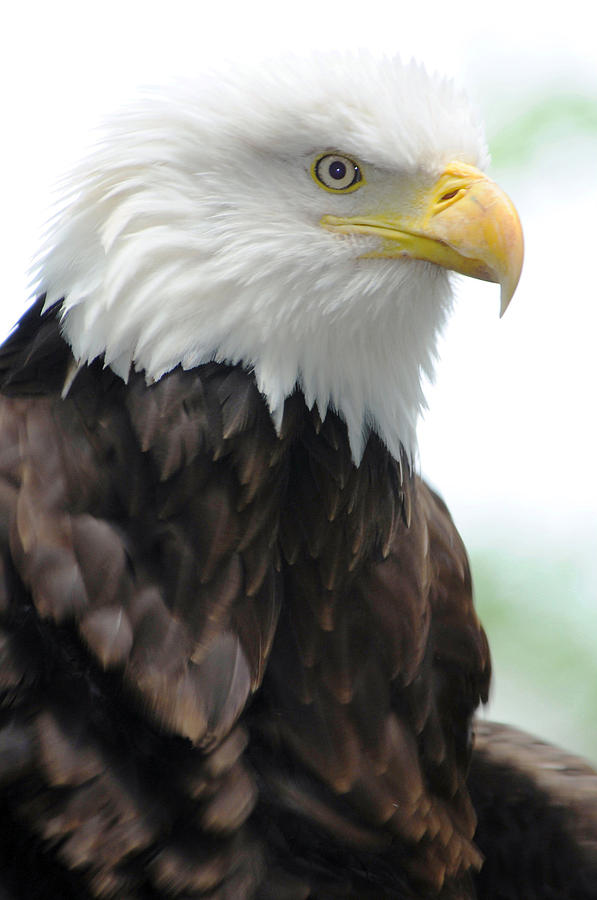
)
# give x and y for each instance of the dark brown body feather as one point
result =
(537, 810)
(233, 664)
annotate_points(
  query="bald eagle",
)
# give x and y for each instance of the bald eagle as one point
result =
(240, 656)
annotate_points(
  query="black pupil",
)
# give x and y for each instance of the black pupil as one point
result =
(337, 170)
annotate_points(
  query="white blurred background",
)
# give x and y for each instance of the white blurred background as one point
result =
(510, 438)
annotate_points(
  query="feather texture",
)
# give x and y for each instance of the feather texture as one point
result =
(192, 233)
(186, 558)
(127, 614)
(232, 662)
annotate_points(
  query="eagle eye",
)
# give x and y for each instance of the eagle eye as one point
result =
(338, 173)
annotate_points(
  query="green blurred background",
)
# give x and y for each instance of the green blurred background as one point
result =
(537, 592)
(525, 491)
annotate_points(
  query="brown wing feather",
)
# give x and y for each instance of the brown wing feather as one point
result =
(140, 606)
(537, 808)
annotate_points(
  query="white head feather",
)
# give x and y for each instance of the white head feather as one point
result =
(192, 233)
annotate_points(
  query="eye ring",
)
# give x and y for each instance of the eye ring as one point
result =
(337, 173)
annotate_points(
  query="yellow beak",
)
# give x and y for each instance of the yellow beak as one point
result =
(465, 222)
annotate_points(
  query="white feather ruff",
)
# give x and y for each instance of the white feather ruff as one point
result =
(192, 233)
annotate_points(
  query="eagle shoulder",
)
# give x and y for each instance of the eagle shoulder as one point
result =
(139, 604)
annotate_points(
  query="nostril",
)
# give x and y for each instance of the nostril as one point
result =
(449, 195)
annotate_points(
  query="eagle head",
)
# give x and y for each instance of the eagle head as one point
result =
(300, 219)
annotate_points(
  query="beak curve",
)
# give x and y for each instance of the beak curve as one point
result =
(465, 223)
